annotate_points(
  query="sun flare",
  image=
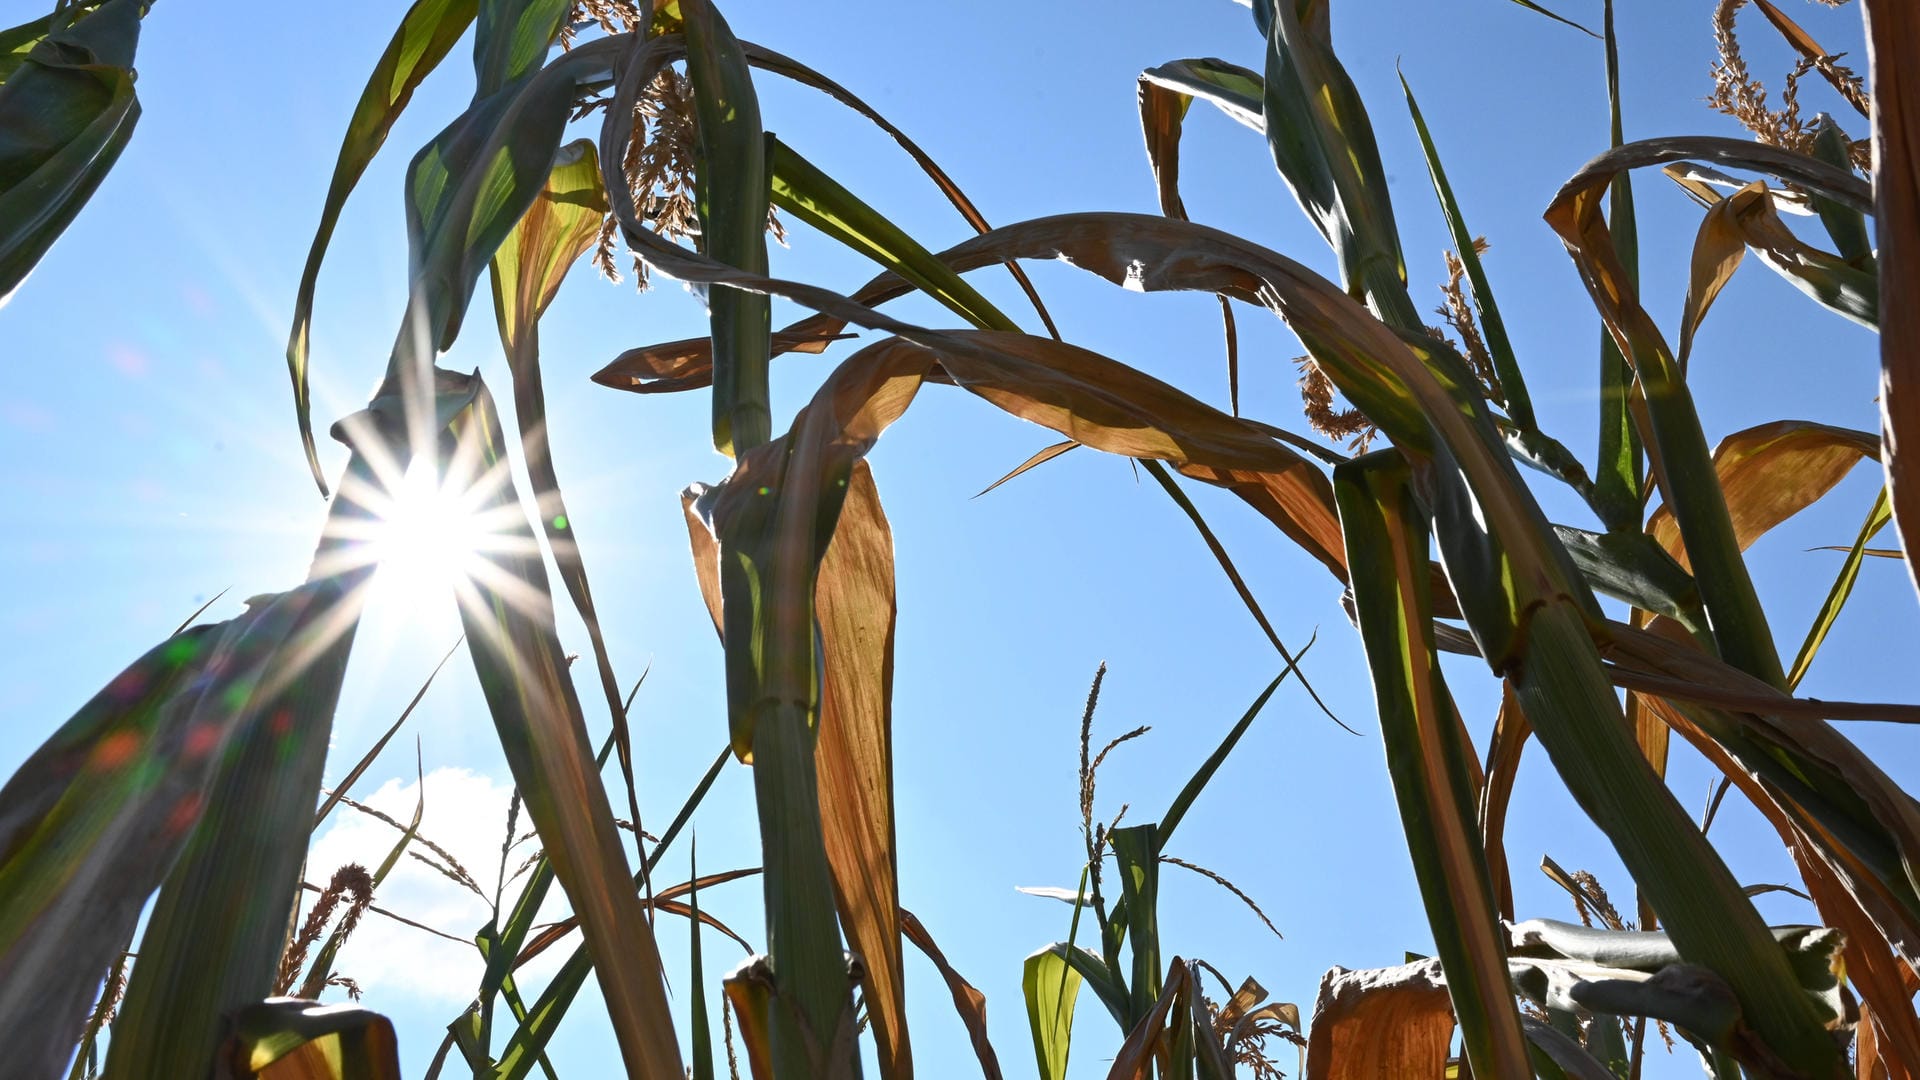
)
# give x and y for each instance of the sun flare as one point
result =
(428, 543)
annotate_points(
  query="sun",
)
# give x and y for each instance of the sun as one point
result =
(428, 543)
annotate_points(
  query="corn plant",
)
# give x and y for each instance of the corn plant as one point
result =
(191, 770)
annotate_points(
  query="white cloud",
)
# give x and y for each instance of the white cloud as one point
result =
(466, 813)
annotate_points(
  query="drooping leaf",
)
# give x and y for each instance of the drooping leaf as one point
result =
(1631, 566)
(1682, 467)
(1750, 218)
(1536, 8)
(1149, 1039)
(1236, 91)
(426, 33)
(768, 60)
(970, 1003)
(66, 112)
(1163, 109)
(1770, 473)
(468, 189)
(855, 606)
(1390, 373)
(1504, 747)
(292, 1039)
(1038, 458)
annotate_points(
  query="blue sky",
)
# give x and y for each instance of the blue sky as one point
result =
(146, 413)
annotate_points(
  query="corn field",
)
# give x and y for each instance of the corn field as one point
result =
(161, 916)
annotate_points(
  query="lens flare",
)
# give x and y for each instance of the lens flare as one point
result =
(428, 543)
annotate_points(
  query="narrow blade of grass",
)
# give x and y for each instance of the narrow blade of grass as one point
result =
(1505, 364)
(367, 759)
(1877, 518)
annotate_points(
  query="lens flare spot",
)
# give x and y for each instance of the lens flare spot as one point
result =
(184, 813)
(114, 751)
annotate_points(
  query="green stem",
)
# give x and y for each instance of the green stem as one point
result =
(812, 1003)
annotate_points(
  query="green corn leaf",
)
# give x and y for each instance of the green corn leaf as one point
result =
(1136, 852)
(1619, 495)
(17, 41)
(1094, 972)
(1323, 143)
(1847, 226)
(1877, 518)
(66, 112)
(1631, 566)
(469, 187)
(768, 60)
(730, 171)
(511, 38)
(1204, 773)
(1683, 461)
(206, 952)
(820, 201)
(84, 841)
(1505, 364)
(1387, 543)
(426, 33)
